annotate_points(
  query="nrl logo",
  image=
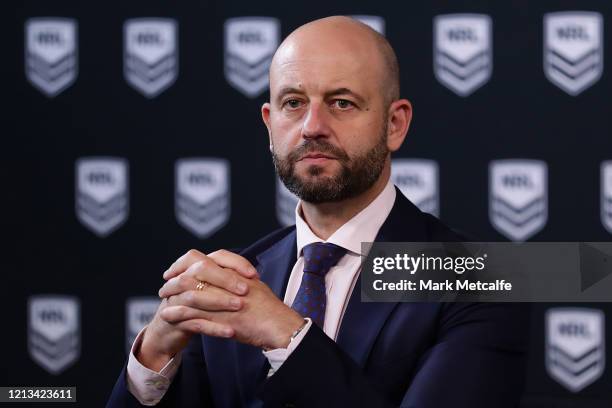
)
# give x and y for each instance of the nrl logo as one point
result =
(202, 197)
(139, 312)
(575, 346)
(573, 49)
(463, 51)
(54, 339)
(518, 197)
(51, 62)
(150, 54)
(606, 195)
(417, 179)
(102, 196)
(286, 202)
(250, 43)
(376, 23)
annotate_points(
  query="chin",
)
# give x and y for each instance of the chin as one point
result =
(315, 172)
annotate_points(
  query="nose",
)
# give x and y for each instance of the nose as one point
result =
(316, 122)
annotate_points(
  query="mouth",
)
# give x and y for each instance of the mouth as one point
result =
(315, 157)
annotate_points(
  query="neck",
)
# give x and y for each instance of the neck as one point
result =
(325, 218)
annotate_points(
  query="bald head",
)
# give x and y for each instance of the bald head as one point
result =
(343, 36)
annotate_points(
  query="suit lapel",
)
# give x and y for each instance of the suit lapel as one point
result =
(276, 263)
(404, 224)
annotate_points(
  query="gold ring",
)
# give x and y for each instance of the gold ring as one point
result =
(201, 285)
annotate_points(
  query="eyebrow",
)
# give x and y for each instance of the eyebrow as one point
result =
(288, 90)
(334, 92)
(345, 91)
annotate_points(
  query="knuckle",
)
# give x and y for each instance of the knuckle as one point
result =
(182, 280)
(206, 262)
(189, 297)
(233, 302)
(193, 253)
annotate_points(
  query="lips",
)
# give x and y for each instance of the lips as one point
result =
(316, 156)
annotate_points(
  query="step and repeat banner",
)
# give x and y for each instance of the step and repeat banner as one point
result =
(135, 134)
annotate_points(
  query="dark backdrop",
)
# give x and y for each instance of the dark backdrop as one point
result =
(518, 113)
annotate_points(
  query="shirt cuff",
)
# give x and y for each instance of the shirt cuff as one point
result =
(146, 385)
(277, 357)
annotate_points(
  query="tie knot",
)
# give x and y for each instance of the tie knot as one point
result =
(321, 256)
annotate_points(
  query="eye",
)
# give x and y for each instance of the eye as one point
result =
(343, 104)
(292, 103)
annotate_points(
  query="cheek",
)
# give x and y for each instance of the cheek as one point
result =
(285, 133)
(360, 137)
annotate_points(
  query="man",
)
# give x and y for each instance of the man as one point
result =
(223, 337)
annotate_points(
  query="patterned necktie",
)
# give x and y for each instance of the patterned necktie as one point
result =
(311, 299)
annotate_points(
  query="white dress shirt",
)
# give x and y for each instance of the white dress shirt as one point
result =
(149, 386)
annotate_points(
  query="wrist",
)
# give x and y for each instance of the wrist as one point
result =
(286, 332)
(150, 356)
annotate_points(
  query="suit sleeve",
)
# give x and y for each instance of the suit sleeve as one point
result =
(476, 360)
(190, 387)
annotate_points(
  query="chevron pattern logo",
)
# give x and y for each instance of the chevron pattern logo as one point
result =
(463, 51)
(202, 195)
(102, 194)
(150, 57)
(518, 197)
(417, 179)
(573, 49)
(575, 346)
(51, 59)
(250, 43)
(54, 339)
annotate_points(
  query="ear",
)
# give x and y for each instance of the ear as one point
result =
(400, 115)
(265, 115)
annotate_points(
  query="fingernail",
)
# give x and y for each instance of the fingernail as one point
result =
(235, 302)
(253, 271)
(227, 333)
(242, 287)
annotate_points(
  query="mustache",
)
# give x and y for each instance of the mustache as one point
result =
(318, 146)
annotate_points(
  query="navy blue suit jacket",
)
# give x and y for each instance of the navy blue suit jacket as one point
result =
(386, 355)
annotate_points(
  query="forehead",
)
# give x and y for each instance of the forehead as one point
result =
(318, 69)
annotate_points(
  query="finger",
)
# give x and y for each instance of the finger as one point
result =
(208, 300)
(206, 327)
(182, 263)
(227, 259)
(180, 313)
(178, 284)
(207, 270)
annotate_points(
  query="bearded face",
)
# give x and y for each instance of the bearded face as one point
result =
(352, 176)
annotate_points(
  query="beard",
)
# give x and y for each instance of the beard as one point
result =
(357, 174)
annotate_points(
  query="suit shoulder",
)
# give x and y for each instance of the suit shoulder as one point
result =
(438, 231)
(266, 242)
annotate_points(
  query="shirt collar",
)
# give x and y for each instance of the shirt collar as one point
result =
(363, 227)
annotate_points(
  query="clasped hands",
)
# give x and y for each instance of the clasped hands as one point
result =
(234, 304)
